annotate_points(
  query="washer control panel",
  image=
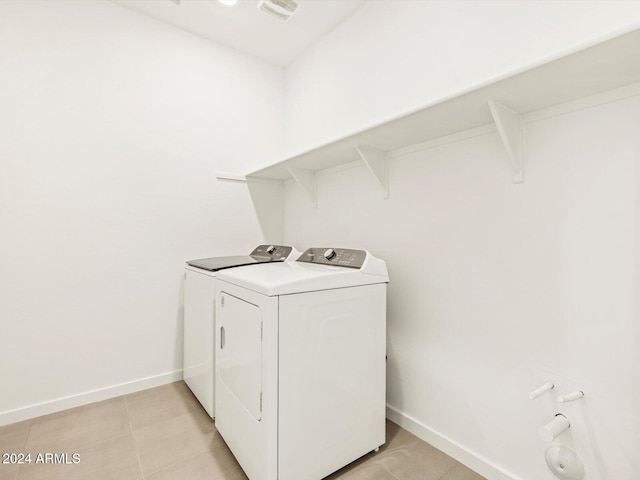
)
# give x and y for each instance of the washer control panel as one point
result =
(340, 257)
(274, 252)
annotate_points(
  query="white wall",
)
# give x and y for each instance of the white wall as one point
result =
(113, 127)
(391, 57)
(496, 287)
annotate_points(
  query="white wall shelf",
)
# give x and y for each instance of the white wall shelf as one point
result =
(609, 65)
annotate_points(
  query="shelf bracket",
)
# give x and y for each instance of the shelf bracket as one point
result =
(307, 181)
(509, 127)
(377, 163)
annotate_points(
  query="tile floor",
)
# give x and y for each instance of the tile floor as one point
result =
(164, 434)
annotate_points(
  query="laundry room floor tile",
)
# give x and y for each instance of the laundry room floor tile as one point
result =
(8, 472)
(114, 459)
(160, 403)
(12, 440)
(404, 457)
(460, 472)
(165, 443)
(72, 429)
(364, 471)
(14, 436)
(216, 464)
(163, 433)
(420, 461)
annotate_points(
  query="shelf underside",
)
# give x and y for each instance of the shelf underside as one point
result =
(606, 66)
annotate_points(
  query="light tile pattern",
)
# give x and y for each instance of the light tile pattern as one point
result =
(164, 434)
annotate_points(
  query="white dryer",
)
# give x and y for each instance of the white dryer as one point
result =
(199, 315)
(300, 363)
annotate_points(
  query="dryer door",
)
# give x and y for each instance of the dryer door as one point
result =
(246, 402)
(240, 352)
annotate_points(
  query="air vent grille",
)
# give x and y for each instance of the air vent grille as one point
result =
(288, 5)
(282, 9)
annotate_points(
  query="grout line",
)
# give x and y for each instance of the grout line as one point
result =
(70, 411)
(26, 439)
(188, 458)
(444, 475)
(24, 446)
(126, 405)
(189, 411)
(391, 473)
(185, 460)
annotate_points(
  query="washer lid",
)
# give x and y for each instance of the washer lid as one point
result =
(296, 277)
(261, 254)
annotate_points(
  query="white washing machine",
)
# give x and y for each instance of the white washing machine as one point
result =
(300, 363)
(199, 315)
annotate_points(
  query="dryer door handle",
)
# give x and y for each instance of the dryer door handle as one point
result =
(222, 339)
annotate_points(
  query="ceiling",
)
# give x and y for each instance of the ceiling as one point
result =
(246, 28)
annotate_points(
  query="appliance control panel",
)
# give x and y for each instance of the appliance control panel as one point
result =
(274, 252)
(339, 257)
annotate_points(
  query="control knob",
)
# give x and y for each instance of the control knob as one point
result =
(329, 253)
(271, 249)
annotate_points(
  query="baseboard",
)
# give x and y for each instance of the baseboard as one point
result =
(475, 462)
(64, 403)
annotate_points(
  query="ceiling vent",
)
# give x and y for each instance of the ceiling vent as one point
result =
(282, 9)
